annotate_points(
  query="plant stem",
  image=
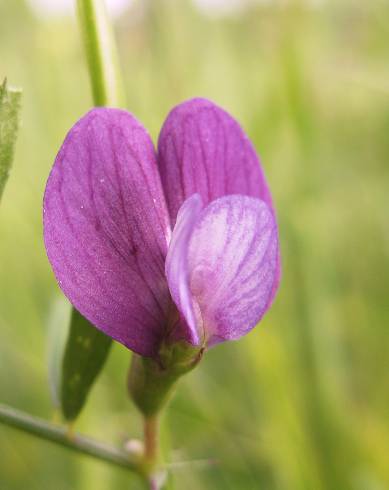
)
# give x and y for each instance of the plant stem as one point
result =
(101, 53)
(151, 454)
(151, 383)
(151, 439)
(60, 435)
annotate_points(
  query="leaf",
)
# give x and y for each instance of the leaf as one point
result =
(86, 351)
(9, 113)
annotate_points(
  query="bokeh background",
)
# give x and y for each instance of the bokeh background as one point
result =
(302, 402)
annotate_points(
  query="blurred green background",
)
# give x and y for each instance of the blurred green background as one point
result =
(302, 402)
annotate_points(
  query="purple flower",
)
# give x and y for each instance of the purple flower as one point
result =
(152, 247)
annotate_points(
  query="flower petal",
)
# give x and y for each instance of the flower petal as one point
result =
(106, 228)
(227, 272)
(202, 149)
(176, 267)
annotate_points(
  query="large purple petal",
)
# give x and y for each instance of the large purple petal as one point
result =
(202, 149)
(106, 228)
(227, 272)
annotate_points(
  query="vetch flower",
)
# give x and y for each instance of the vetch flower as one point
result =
(154, 247)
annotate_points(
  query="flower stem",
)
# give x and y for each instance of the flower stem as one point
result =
(151, 450)
(151, 439)
(59, 435)
(101, 53)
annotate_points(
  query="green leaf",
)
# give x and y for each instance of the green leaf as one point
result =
(9, 113)
(86, 352)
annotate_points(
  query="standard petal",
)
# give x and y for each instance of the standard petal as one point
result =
(106, 228)
(202, 149)
(230, 266)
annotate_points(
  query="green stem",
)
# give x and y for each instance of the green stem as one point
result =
(151, 439)
(151, 429)
(151, 383)
(60, 435)
(101, 53)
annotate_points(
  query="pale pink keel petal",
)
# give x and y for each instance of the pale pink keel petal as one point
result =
(231, 268)
(202, 149)
(233, 265)
(176, 266)
(106, 228)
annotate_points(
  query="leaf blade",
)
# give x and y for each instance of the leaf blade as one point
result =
(10, 102)
(86, 351)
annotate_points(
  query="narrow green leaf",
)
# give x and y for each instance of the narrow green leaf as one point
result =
(86, 352)
(9, 113)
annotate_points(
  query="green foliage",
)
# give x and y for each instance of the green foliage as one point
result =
(9, 113)
(85, 354)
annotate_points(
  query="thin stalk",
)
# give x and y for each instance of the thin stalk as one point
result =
(151, 439)
(151, 450)
(60, 435)
(101, 53)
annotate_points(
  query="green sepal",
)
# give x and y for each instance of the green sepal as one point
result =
(151, 382)
(85, 354)
(9, 119)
